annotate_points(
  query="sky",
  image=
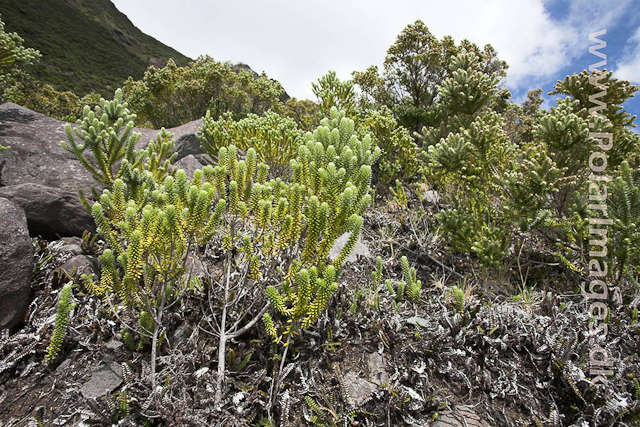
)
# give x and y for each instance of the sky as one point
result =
(298, 41)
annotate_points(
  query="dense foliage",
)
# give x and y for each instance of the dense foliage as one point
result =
(173, 95)
(275, 138)
(13, 57)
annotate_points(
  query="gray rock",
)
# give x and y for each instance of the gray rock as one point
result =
(16, 257)
(50, 211)
(377, 369)
(359, 388)
(36, 155)
(189, 163)
(70, 245)
(360, 249)
(103, 381)
(114, 344)
(187, 143)
(460, 416)
(79, 265)
(417, 321)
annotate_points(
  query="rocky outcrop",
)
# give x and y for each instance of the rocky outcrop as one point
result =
(43, 178)
(51, 212)
(16, 260)
(36, 155)
(186, 140)
(189, 164)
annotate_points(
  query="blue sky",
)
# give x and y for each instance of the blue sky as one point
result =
(296, 42)
(623, 47)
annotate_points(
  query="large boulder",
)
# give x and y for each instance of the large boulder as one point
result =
(189, 164)
(186, 141)
(51, 212)
(36, 155)
(16, 257)
(44, 178)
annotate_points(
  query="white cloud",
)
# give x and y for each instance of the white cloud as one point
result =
(297, 41)
(629, 67)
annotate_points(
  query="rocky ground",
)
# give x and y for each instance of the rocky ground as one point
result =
(492, 361)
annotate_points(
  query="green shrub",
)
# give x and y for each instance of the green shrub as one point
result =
(63, 309)
(13, 58)
(275, 138)
(282, 231)
(43, 98)
(304, 112)
(401, 157)
(173, 95)
(625, 211)
(494, 188)
(331, 92)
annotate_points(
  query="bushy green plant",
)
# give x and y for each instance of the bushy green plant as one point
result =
(13, 58)
(44, 98)
(401, 157)
(332, 92)
(414, 70)
(106, 133)
(625, 211)
(605, 95)
(304, 112)
(275, 138)
(173, 95)
(153, 222)
(494, 188)
(409, 286)
(63, 309)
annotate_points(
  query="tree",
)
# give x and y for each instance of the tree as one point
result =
(332, 92)
(13, 57)
(587, 88)
(171, 96)
(414, 68)
(304, 112)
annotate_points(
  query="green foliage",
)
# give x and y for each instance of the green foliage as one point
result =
(494, 187)
(304, 112)
(459, 299)
(331, 178)
(275, 138)
(173, 95)
(414, 69)
(153, 222)
(625, 212)
(409, 286)
(400, 155)
(412, 285)
(376, 279)
(44, 98)
(106, 131)
(13, 57)
(331, 92)
(63, 309)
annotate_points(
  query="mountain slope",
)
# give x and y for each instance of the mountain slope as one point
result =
(86, 45)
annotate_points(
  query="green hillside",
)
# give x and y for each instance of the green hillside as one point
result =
(86, 45)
